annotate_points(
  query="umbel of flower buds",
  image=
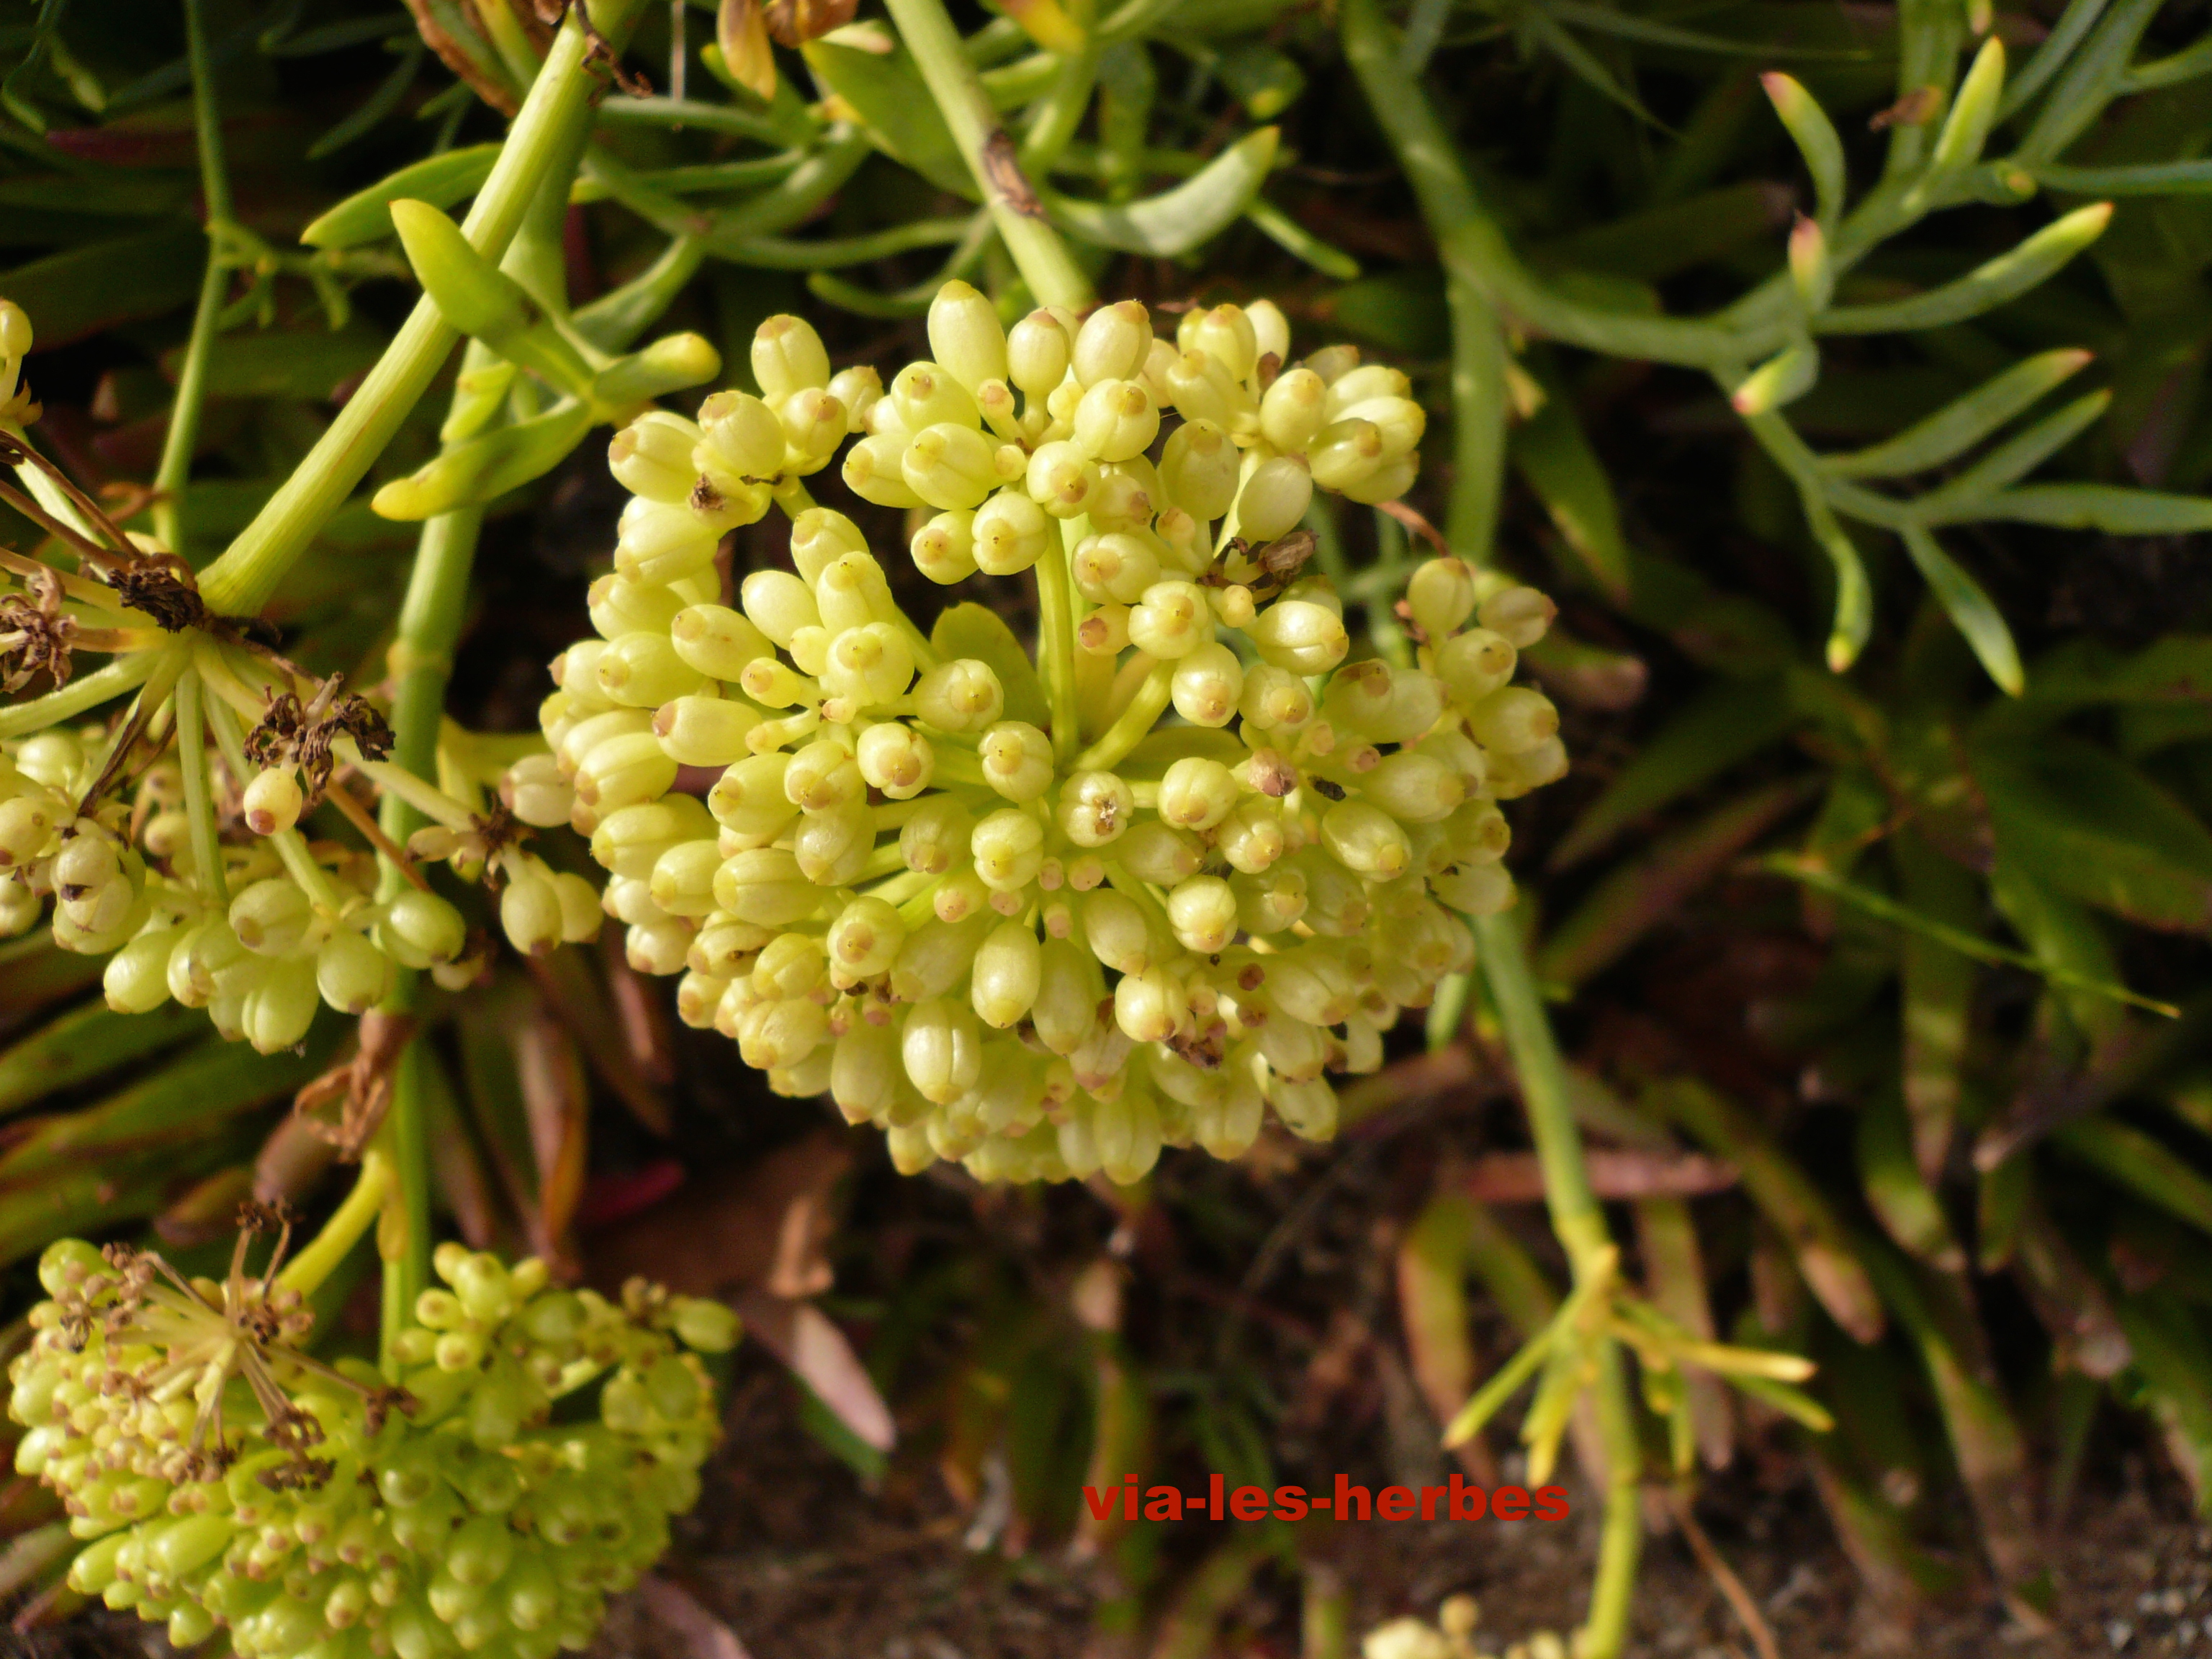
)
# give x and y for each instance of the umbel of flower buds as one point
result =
(1043, 909)
(223, 1481)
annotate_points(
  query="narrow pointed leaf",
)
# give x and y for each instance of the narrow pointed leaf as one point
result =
(1816, 138)
(1969, 608)
(2012, 460)
(1176, 221)
(2116, 511)
(439, 180)
(1552, 454)
(2005, 277)
(1960, 425)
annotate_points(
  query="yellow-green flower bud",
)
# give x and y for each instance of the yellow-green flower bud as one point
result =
(580, 908)
(765, 886)
(1513, 718)
(1199, 468)
(778, 1033)
(271, 918)
(822, 777)
(859, 389)
(1475, 889)
(788, 356)
(1016, 760)
(1061, 479)
(643, 671)
(1115, 568)
(1037, 353)
(1344, 452)
(1522, 615)
(937, 836)
(951, 467)
(1094, 808)
(864, 941)
(1293, 409)
(1011, 533)
(681, 880)
(652, 457)
(1359, 382)
(703, 730)
(833, 847)
(1152, 1006)
(965, 336)
(1113, 342)
(619, 605)
(1300, 637)
(1202, 910)
(1172, 621)
(867, 1071)
(961, 696)
(1274, 499)
(1003, 984)
(1207, 685)
(1513, 775)
(945, 549)
(1117, 421)
(421, 928)
(1387, 483)
(869, 665)
(1008, 849)
(1440, 598)
(872, 471)
(662, 542)
(1203, 389)
(941, 1050)
(1269, 904)
(1365, 839)
(623, 771)
(1226, 334)
(530, 912)
(1413, 788)
(923, 394)
(136, 978)
(1197, 793)
(814, 423)
(279, 1010)
(1156, 852)
(779, 604)
(896, 759)
(1252, 837)
(272, 800)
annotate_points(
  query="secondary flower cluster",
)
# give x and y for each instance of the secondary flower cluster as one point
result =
(197, 882)
(1000, 903)
(227, 1480)
(286, 924)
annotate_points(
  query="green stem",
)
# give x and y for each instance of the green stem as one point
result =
(1478, 420)
(199, 804)
(554, 119)
(177, 444)
(1133, 723)
(402, 1242)
(88, 691)
(344, 1230)
(1056, 637)
(1579, 1223)
(1051, 272)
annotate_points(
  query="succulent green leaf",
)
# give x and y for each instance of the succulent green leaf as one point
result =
(2107, 507)
(895, 109)
(2012, 460)
(471, 293)
(1960, 425)
(669, 364)
(1896, 1191)
(1983, 288)
(439, 180)
(2050, 54)
(2150, 178)
(1967, 128)
(1786, 376)
(1176, 221)
(1969, 608)
(484, 468)
(1816, 138)
(1555, 457)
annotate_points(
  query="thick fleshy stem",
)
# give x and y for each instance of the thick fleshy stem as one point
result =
(199, 803)
(314, 1264)
(1053, 277)
(1482, 275)
(176, 464)
(554, 119)
(1578, 1221)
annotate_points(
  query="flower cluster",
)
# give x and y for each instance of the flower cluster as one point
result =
(1000, 904)
(225, 1480)
(171, 841)
(286, 925)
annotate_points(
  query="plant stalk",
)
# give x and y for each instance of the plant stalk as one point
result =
(314, 1264)
(177, 444)
(1579, 1222)
(554, 118)
(1046, 265)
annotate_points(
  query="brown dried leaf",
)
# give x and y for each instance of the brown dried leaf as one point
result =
(700, 1634)
(802, 1336)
